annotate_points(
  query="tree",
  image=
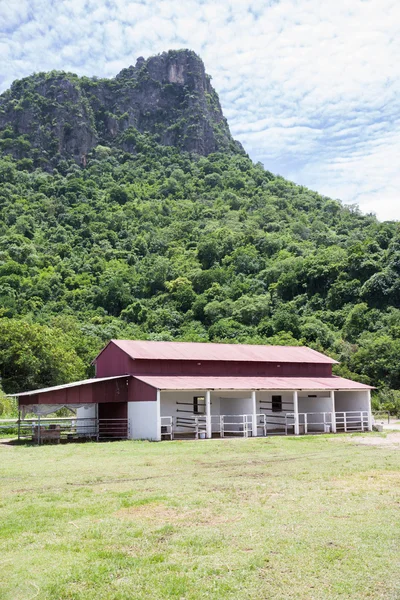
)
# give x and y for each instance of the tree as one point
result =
(377, 357)
(285, 319)
(357, 321)
(313, 330)
(34, 356)
(245, 259)
(182, 292)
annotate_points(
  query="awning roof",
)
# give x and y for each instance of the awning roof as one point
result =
(251, 383)
(67, 385)
(198, 351)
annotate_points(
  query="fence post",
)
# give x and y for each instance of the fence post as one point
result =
(305, 424)
(345, 421)
(221, 426)
(158, 408)
(39, 436)
(369, 411)
(254, 411)
(296, 413)
(208, 414)
(333, 417)
(19, 424)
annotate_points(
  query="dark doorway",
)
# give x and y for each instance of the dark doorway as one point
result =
(113, 420)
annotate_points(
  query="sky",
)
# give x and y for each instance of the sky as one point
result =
(310, 87)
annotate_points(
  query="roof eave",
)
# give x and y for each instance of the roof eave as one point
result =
(66, 386)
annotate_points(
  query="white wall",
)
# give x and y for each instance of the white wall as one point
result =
(236, 406)
(222, 403)
(144, 420)
(348, 401)
(264, 401)
(87, 428)
(275, 420)
(169, 404)
(318, 406)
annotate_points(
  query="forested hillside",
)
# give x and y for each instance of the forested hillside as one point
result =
(162, 244)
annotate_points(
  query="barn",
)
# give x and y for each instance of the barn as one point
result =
(165, 390)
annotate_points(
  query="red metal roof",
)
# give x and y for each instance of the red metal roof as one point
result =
(139, 349)
(65, 386)
(251, 383)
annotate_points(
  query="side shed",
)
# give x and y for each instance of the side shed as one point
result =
(101, 405)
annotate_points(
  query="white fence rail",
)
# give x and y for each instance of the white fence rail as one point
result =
(236, 425)
(44, 429)
(277, 424)
(167, 428)
(266, 424)
(321, 422)
(352, 421)
(222, 425)
(312, 422)
(191, 424)
(261, 424)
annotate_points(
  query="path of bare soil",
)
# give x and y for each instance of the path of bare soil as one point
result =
(390, 439)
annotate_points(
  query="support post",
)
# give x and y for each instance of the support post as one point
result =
(19, 424)
(39, 432)
(296, 413)
(254, 412)
(333, 408)
(158, 439)
(208, 414)
(369, 411)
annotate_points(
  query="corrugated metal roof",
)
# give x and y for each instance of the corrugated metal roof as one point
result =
(251, 383)
(67, 385)
(139, 349)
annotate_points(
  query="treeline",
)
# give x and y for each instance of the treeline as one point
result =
(164, 245)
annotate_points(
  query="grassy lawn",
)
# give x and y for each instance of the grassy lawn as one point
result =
(276, 518)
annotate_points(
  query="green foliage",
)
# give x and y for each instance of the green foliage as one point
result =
(387, 400)
(34, 355)
(8, 406)
(163, 245)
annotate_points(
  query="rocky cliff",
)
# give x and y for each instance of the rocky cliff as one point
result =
(49, 116)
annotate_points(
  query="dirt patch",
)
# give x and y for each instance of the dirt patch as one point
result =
(160, 514)
(384, 482)
(390, 439)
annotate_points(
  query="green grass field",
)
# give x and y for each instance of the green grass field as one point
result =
(272, 518)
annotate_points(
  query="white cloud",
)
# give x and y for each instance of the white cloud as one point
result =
(311, 88)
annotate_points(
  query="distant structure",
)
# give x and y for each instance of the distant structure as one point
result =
(158, 390)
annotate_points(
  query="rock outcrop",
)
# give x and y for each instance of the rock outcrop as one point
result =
(49, 116)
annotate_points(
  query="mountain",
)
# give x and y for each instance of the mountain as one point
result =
(49, 116)
(158, 237)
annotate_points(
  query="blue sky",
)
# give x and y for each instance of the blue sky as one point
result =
(310, 87)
